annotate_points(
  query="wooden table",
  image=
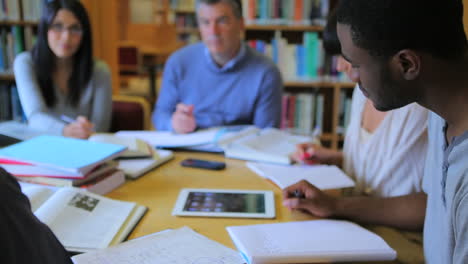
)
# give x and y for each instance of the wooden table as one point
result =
(159, 190)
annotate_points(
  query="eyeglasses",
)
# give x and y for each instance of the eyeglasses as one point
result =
(75, 30)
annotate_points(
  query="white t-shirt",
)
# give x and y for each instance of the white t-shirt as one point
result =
(390, 161)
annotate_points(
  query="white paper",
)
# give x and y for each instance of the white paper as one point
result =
(37, 195)
(81, 219)
(309, 241)
(169, 139)
(268, 145)
(181, 246)
(322, 176)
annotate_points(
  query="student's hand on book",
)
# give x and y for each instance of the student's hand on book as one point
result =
(183, 120)
(81, 128)
(309, 153)
(304, 196)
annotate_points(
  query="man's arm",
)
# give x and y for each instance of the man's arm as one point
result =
(167, 98)
(268, 108)
(460, 253)
(405, 212)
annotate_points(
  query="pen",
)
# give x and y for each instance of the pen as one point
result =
(298, 194)
(67, 119)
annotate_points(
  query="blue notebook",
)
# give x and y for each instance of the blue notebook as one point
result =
(67, 154)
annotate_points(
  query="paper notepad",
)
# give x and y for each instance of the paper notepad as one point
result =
(309, 242)
(180, 246)
(166, 139)
(68, 154)
(322, 176)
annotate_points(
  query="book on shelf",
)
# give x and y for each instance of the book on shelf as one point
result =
(303, 112)
(179, 246)
(322, 176)
(10, 10)
(68, 154)
(285, 12)
(317, 241)
(83, 221)
(32, 10)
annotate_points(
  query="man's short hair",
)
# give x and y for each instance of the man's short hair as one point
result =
(383, 27)
(331, 43)
(235, 4)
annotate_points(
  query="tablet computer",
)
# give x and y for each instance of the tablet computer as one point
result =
(225, 203)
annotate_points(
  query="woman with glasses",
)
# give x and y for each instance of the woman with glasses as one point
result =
(62, 89)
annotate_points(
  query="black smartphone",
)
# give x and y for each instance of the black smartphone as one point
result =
(203, 164)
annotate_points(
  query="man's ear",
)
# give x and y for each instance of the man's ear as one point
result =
(408, 64)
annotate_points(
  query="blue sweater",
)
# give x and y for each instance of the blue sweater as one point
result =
(247, 90)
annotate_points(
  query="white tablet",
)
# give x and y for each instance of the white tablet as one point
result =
(225, 203)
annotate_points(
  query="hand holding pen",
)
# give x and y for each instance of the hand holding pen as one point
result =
(80, 127)
(305, 196)
(183, 120)
(309, 153)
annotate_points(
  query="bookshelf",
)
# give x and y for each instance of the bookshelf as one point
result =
(289, 23)
(18, 30)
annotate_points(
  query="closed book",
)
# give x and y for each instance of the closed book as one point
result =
(61, 153)
(317, 241)
(105, 182)
(39, 175)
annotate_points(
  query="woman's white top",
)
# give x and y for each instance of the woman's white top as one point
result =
(389, 161)
(95, 102)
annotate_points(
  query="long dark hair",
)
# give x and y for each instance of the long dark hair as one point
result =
(44, 59)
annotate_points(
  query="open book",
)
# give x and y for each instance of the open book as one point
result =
(134, 168)
(315, 241)
(322, 176)
(83, 221)
(266, 145)
(136, 148)
(139, 158)
(180, 246)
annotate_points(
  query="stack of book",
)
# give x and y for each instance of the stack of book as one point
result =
(60, 161)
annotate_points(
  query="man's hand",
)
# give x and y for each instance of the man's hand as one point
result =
(81, 128)
(305, 196)
(183, 120)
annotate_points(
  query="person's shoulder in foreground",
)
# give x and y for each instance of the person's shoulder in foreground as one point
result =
(446, 166)
(417, 51)
(24, 238)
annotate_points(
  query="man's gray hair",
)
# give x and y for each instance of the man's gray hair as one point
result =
(235, 4)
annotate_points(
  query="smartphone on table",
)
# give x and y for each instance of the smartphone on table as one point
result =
(203, 164)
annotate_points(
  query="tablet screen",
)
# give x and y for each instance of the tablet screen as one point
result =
(225, 202)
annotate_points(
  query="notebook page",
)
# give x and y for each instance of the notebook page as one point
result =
(181, 246)
(36, 194)
(318, 239)
(273, 141)
(81, 219)
(322, 176)
(169, 139)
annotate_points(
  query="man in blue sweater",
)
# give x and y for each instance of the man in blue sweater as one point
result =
(221, 81)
